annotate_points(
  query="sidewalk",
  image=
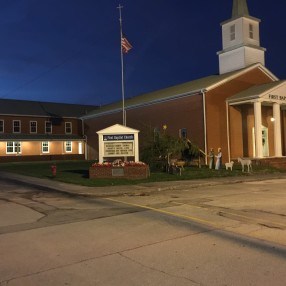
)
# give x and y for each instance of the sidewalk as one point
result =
(131, 190)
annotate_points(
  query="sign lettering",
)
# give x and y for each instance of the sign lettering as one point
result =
(113, 149)
(118, 137)
(277, 97)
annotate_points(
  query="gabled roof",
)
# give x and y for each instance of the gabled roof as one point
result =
(254, 92)
(117, 128)
(186, 89)
(37, 108)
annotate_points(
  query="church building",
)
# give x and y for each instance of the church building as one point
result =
(241, 110)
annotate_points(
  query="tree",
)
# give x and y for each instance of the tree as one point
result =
(159, 147)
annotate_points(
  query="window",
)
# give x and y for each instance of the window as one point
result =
(13, 147)
(68, 128)
(232, 32)
(48, 127)
(1, 126)
(68, 146)
(183, 133)
(251, 33)
(16, 126)
(156, 134)
(45, 147)
(33, 126)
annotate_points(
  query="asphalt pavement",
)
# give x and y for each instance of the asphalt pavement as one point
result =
(136, 189)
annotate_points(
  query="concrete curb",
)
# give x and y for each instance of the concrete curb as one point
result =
(50, 185)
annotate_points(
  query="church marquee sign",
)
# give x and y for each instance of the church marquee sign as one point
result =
(118, 141)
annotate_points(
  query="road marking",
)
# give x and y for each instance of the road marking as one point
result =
(234, 214)
(166, 212)
(196, 219)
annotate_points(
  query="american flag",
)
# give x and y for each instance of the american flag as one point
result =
(126, 46)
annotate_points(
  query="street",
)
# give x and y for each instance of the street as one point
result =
(211, 235)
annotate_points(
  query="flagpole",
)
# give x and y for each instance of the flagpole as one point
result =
(122, 68)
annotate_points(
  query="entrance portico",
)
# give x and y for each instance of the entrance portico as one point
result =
(262, 114)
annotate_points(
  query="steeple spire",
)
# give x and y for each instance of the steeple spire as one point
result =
(239, 8)
(240, 40)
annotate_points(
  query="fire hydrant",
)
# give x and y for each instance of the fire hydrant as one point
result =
(54, 169)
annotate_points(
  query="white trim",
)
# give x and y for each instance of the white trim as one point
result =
(260, 96)
(14, 147)
(68, 127)
(46, 127)
(42, 147)
(36, 126)
(66, 146)
(17, 120)
(245, 70)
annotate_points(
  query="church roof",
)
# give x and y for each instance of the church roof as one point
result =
(178, 91)
(165, 94)
(239, 8)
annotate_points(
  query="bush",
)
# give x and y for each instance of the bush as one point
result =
(159, 147)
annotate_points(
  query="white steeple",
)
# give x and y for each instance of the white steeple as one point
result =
(240, 40)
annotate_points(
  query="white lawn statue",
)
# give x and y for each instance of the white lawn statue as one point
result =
(245, 162)
(229, 165)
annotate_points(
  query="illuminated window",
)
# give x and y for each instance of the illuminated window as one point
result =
(232, 32)
(1, 126)
(68, 146)
(13, 147)
(68, 127)
(45, 147)
(33, 126)
(48, 127)
(16, 126)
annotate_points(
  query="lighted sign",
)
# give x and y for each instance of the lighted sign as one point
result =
(112, 149)
(118, 137)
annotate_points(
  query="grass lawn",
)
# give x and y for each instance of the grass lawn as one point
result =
(76, 172)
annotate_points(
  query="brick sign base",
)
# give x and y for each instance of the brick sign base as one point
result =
(130, 172)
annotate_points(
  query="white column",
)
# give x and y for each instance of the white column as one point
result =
(258, 129)
(277, 130)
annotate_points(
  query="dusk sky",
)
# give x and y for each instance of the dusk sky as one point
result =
(69, 50)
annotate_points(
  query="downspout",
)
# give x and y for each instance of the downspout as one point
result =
(227, 131)
(205, 126)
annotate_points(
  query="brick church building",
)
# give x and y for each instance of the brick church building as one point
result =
(242, 109)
